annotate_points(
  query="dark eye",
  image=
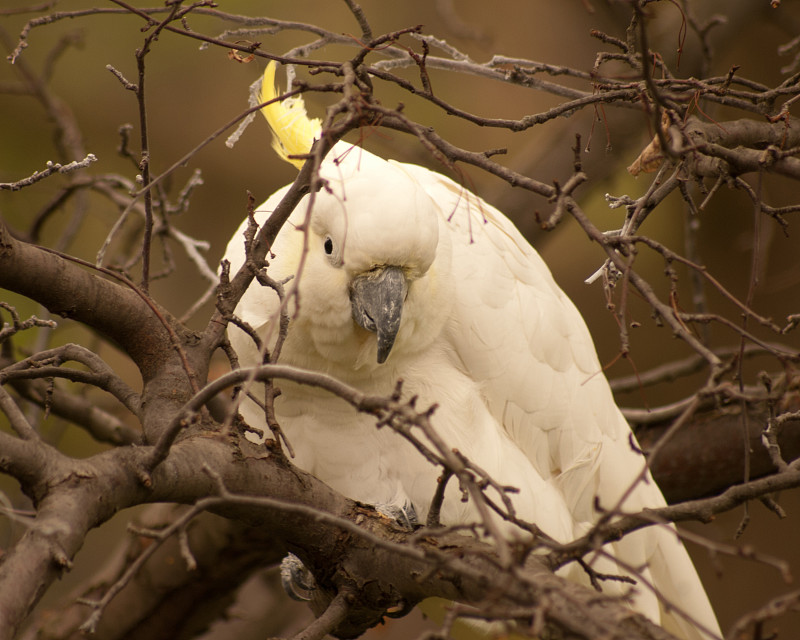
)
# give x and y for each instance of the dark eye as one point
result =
(328, 246)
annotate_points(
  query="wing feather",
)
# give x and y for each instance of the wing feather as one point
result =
(543, 382)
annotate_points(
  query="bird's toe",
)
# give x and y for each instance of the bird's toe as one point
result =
(297, 580)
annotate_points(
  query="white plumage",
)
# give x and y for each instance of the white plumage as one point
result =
(485, 332)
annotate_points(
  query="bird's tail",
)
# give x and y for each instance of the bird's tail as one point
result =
(293, 132)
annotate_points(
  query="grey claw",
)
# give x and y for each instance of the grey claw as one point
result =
(405, 516)
(297, 581)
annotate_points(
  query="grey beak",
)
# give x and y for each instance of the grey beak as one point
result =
(376, 298)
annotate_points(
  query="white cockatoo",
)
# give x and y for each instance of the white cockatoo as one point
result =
(407, 275)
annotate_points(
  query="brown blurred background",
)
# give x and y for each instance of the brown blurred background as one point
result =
(192, 92)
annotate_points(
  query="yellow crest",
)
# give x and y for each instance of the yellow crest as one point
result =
(293, 132)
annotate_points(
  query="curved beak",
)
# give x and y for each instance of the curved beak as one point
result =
(376, 299)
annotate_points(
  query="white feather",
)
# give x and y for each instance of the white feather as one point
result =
(485, 333)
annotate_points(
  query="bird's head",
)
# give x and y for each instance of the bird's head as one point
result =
(375, 234)
(364, 261)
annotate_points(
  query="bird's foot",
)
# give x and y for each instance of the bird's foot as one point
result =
(405, 516)
(297, 580)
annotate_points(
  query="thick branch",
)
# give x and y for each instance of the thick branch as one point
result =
(714, 468)
(466, 572)
(172, 361)
(72, 292)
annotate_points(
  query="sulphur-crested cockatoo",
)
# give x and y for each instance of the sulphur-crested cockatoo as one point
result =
(407, 275)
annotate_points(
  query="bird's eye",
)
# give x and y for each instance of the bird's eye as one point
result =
(328, 246)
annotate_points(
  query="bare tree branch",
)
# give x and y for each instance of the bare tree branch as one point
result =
(707, 130)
